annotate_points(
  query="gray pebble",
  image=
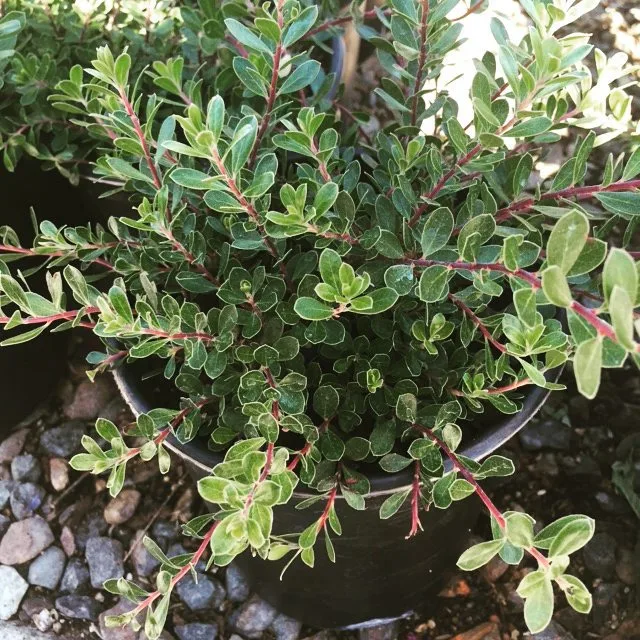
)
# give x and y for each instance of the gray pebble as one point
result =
(105, 558)
(252, 618)
(600, 555)
(546, 434)
(286, 628)
(237, 586)
(63, 441)
(46, 569)
(207, 593)
(76, 577)
(12, 590)
(197, 631)
(26, 468)
(26, 499)
(93, 526)
(6, 487)
(78, 607)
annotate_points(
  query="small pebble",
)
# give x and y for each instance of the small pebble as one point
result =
(12, 590)
(6, 487)
(63, 441)
(122, 507)
(12, 446)
(196, 631)
(118, 633)
(46, 570)
(26, 499)
(252, 618)
(207, 593)
(26, 468)
(78, 607)
(105, 558)
(67, 541)
(24, 540)
(286, 628)
(90, 398)
(143, 562)
(600, 555)
(237, 586)
(58, 474)
(76, 577)
(546, 434)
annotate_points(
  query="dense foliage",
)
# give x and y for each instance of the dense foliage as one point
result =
(325, 301)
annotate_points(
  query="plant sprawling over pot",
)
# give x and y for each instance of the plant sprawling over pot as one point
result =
(326, 301)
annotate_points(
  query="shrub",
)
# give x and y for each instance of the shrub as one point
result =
(366, 296)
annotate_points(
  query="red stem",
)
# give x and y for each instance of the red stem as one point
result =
(415, 501)
(498, 390)
(336, 22)
(65, 315)
(322, 521)
(472, 9)
(476, 320)
(296, 460)
(141, 137)
(273, 85)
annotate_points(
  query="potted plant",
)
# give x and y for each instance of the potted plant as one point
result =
(336, 322)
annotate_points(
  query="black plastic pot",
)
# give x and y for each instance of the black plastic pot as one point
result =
(378, 574)
(31, 370)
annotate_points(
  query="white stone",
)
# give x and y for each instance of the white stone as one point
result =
(12, 590)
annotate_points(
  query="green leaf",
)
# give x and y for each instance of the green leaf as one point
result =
(312, 309)
(478, 555)
(436, 231)
(625, 204)
(393, 503)
(577, 594)
(407, 407)
(434, 283)
(538, 606)
(587, 366)
(573, 536)
(382, 299)
(461, 489)
(457, 136)
(620, 269)
(299, 27)
(123, 168)
(194, 282)
(120, 303)
(519, 529)
(632, 168)
(621, 311)
(325, 401)
(325, 198)
(301, 77)
(529, 128)
(399, 277)
(394, 462)
(247, 37)
(567, 239)
(556, 287)
(249, 76)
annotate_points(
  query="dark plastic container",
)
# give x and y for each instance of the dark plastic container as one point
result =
(378, 574)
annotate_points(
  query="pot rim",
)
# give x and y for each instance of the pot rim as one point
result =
(381, 483)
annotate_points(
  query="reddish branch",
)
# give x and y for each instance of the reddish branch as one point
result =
(472, 9)
(336, 22)
(478, 322)
(56, 317)
(578, 193)
(322, 166)
(417, 87)
(273, 85)
(494, 391)
(301, 454)
(415, 501)
(331, 498)
(247, 206)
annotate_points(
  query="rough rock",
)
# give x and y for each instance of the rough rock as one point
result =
(237, 586)
(164, 532)
(40, 611)
(286, 628)
(611, 504)
(76, 577)
(627, 567)
(78, 607)
(12, 590)
(89, 399)
(546, 434)
(12, 445)
(58, 473)
(207, 593)
(143, 562)
(25, 468)
(603, 597)
(5, 523)
(117, 633)
(494, 569)
(68, 541)
(553, 632)
(93, 526)
(46, 570)
(252, 618)
(6, 487)
(26, 499)
(484, 631)
(122, 507)
(25, 540)
(105, 558)
(63, 441)
(196, 631)
(600, 555)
